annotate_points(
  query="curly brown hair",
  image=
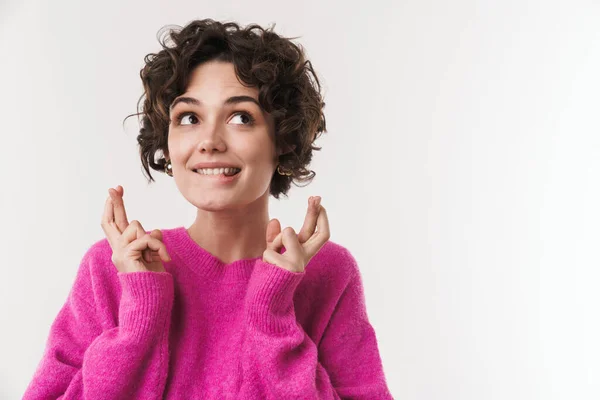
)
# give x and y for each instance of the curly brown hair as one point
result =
(289, 89)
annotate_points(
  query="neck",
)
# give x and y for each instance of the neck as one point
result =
(233, 234)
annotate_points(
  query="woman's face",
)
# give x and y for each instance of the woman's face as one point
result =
(220, 122)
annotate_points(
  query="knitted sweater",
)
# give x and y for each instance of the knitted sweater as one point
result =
(205, 329)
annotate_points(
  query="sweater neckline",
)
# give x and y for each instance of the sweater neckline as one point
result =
(201, 261)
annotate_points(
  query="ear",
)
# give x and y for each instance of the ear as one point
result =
(285, 149)
(165, 153)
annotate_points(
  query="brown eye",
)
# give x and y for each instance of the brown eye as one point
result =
(245, 118)
(181, 117)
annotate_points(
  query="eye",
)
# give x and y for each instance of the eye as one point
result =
(245, 117)
(181, 117)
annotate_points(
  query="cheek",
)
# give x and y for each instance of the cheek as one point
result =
(261, 165)
(174, 147)
(180, 149)
(259, 152)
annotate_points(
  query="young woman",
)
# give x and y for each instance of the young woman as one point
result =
(231, 307)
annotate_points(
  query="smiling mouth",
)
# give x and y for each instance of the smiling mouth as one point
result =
(218, 171)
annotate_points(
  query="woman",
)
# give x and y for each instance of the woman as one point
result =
(232, 307)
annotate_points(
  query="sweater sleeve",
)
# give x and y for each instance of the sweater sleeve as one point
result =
(81, 360)
(279, 359)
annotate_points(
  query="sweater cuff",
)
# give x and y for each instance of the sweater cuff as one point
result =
(269, 300)
(146, 303)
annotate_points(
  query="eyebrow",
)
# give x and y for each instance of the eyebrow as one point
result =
(195, 102)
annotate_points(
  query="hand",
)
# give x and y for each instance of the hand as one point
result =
(299, 249)
(133, 249)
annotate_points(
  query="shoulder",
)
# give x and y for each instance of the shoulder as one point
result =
(328, 275)
(99, 251)
(333, 262)
(98, 257)
(96, 273)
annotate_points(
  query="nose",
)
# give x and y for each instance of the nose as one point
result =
(211, 141)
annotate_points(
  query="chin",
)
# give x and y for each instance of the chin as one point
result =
(213, 199)
(213, 204)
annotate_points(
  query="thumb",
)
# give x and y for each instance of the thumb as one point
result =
(273, 257)
(273, 229)
(153, 256)
(157, 234)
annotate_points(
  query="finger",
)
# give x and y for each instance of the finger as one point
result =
(273, 229)
(148, 243)
(310, 221)
(151, 243)
(130, 233)
(118, 190)
(322, 235)
(140, 233)
(294, 259)
(157, 234)
(134, 231)
(293, 250)
(277, 243)
(290, 241)
(119, 209)
(273, 257)
(108, 224)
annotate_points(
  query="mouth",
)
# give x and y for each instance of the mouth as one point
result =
(231, 171)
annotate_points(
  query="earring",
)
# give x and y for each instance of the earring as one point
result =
(169, 168)
(283, 172)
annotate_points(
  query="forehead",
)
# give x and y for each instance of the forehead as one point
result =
(216, 79)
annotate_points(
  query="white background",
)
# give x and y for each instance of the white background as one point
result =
(460, 168)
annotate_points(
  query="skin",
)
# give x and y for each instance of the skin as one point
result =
(232, 220)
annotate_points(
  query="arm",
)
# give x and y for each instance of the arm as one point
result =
(83, 361)
(348, 348)
(281, 361)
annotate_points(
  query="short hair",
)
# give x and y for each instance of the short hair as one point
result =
(288, 87)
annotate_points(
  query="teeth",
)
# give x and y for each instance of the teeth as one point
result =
(217, 171)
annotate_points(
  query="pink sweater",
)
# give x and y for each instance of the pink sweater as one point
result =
(209, 330)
